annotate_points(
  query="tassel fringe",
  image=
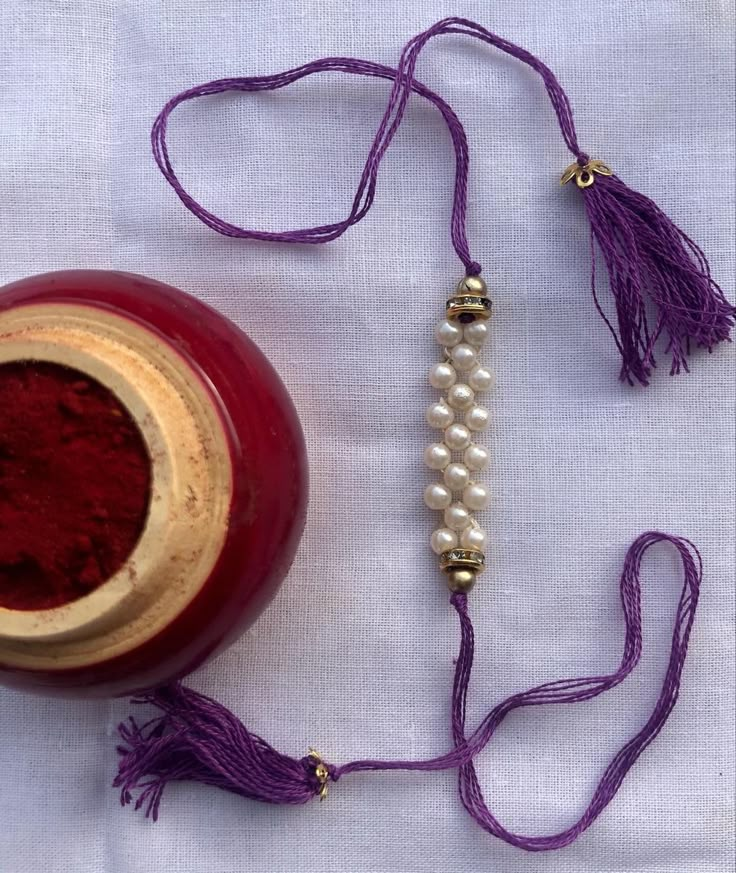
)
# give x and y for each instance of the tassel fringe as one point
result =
(652, 263)
(197, 739)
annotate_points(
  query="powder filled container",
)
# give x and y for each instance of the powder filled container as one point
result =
(153, 483)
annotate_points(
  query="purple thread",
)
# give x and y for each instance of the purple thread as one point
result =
(365, 193)
(567, 691)
(646, 254)
(404, 84)
(198, 739)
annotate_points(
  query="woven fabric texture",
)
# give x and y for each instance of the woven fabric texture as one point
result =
(355, 656)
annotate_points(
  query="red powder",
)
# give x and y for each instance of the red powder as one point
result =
(74, 484)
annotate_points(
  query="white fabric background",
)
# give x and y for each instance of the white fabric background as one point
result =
(355, 655)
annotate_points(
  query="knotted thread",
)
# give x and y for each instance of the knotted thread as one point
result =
(198, 739)
(648, 258)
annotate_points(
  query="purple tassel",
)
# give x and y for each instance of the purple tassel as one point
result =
(649, 259)
(198, 739)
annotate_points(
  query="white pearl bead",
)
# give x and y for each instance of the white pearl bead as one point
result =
(437, 456)
(473, 538)
(481, 379)
(457, 437)
(475, 497)
(442, 376)
(476, 333)
(460, 396)
(457, 516)
(457, 476)
(436, 496)
(440, 415)
(443, 540)
(477, 418)
(464, 356)
(448, 334)
(476, 457)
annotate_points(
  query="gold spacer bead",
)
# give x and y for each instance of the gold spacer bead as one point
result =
(461, 581)
(470, 301)
(473, 285)
(462, 559)
(467, 308)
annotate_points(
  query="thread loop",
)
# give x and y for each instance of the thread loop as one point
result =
(649, 259)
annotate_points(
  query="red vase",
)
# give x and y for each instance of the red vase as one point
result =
(228, 489)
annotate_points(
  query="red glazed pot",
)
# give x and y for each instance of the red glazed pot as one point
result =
(228, 487)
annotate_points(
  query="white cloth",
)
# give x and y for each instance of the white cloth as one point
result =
(355, 655)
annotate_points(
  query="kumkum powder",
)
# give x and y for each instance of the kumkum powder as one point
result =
(75, 481)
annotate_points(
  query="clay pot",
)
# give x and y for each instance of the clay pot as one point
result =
(228, 489)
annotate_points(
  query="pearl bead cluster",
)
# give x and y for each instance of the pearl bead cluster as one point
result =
(457, 457)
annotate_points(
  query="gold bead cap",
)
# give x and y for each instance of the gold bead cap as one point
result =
(584, 174)
(470, 302)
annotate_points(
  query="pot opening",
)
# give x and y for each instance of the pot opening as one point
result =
(75, 484)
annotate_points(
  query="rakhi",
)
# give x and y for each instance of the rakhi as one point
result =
(652, 265)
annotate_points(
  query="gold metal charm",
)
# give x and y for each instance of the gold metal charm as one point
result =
(321, 772)
(585, 176)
